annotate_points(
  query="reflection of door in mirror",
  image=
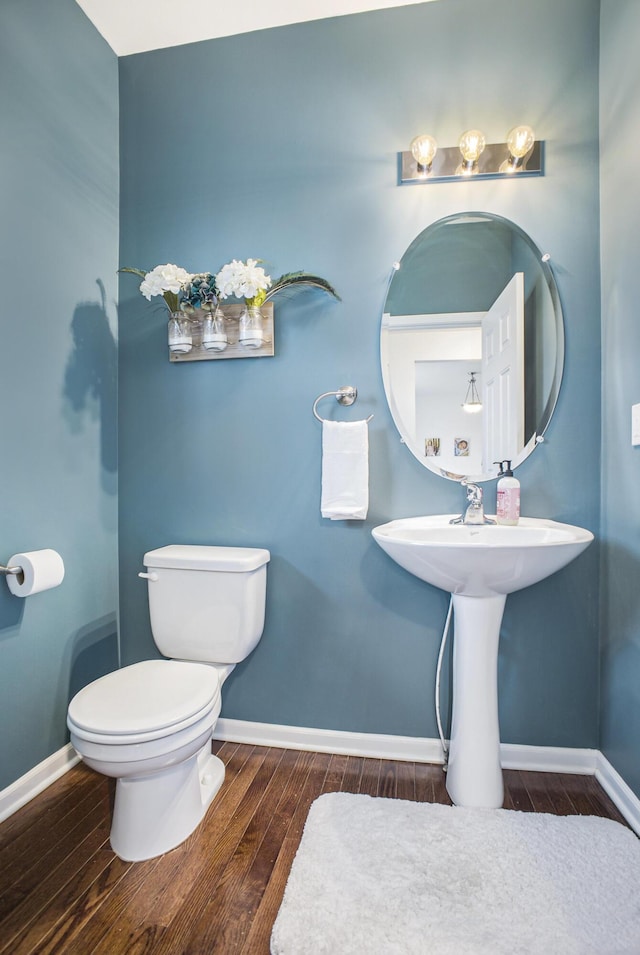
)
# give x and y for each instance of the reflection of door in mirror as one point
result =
(503, 375)
(432, 357)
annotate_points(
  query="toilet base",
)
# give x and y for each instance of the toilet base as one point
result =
(153, 814)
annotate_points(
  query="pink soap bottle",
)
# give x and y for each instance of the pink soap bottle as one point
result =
(508, 497)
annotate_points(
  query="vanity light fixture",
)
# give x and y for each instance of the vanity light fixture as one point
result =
(521, 155)
(472, 403)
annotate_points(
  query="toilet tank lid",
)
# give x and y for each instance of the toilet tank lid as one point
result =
(203, 557)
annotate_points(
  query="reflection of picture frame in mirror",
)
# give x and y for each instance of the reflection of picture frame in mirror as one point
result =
(461, 447)
(432, 447)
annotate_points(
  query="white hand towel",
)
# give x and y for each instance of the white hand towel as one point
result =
(345, 470)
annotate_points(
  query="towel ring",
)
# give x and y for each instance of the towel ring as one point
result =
(345, 396)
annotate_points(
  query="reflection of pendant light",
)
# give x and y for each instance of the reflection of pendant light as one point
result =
(472, 403)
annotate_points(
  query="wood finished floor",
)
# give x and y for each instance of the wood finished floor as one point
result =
(62, 889)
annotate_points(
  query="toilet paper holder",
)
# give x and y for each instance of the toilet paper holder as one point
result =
(10, 570)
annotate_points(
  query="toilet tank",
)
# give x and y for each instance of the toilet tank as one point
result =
(207, 603)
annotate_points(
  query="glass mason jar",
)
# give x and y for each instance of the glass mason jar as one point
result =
(214, 331)
(251, 327)
(180, 338)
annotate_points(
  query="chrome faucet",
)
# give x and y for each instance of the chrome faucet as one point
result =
(474, 513)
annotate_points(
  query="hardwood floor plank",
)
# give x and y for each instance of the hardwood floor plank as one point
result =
(425, 775)
(370, 777)
(387, 782)
(335, 774)
(66, 907)
(43, 894)
(406, 781)
(51, 828)
(515, 791)
(50, 867)
(221, 926)
(56, 800)
(353, 774)
(562, 804)
(257, 942)
(243, 913)
(538, 793)
(578, 793)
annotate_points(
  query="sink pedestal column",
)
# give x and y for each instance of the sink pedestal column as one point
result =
(474, 775)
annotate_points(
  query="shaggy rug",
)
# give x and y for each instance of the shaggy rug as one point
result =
(389, 877)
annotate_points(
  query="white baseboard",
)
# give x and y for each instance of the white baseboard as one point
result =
(411, 748)
(550, 759)
(618, 791)
(24, 789)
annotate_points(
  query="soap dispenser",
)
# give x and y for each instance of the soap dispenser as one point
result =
(508, 497)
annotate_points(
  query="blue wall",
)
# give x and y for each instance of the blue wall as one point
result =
(59, 200)
(283, 144)
(620, 196)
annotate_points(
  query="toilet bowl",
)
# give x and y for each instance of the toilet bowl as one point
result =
(149, 725)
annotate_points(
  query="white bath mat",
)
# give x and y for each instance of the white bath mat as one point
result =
(389, 877)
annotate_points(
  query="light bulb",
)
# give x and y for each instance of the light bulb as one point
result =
(520, 140)
(471, 145)
(424, 149)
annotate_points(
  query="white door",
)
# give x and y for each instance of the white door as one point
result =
(503, 375)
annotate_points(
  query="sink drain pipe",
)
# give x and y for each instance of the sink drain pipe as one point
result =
(443, 643)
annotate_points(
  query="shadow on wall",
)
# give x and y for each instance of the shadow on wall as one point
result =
(11, 610)
(91, 380)
(94, 653)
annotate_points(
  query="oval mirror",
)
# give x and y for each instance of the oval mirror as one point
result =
(472, 346)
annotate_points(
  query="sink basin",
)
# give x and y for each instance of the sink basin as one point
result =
(481, 560)
(479, 565)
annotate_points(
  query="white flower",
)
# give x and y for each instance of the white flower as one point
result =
(164, 278)
(240, 280)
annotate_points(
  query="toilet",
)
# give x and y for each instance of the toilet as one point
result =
(149, 725)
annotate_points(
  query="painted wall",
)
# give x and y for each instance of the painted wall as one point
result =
(620, 197)
(283, 144)
(58, 258)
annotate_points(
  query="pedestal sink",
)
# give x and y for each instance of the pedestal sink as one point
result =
(479, 565)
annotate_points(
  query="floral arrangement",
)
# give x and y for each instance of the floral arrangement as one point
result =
(185, 291)
(200, 292)
(247, 281)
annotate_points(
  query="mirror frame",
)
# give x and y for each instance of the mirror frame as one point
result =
(554, 390)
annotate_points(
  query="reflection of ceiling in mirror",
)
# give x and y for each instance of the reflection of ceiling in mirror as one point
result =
(453, 270)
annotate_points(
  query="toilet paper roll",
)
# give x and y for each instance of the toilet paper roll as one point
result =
(41, 570)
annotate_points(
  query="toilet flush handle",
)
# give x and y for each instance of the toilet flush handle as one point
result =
(151, 576)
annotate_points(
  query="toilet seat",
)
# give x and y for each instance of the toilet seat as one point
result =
(144, 701)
